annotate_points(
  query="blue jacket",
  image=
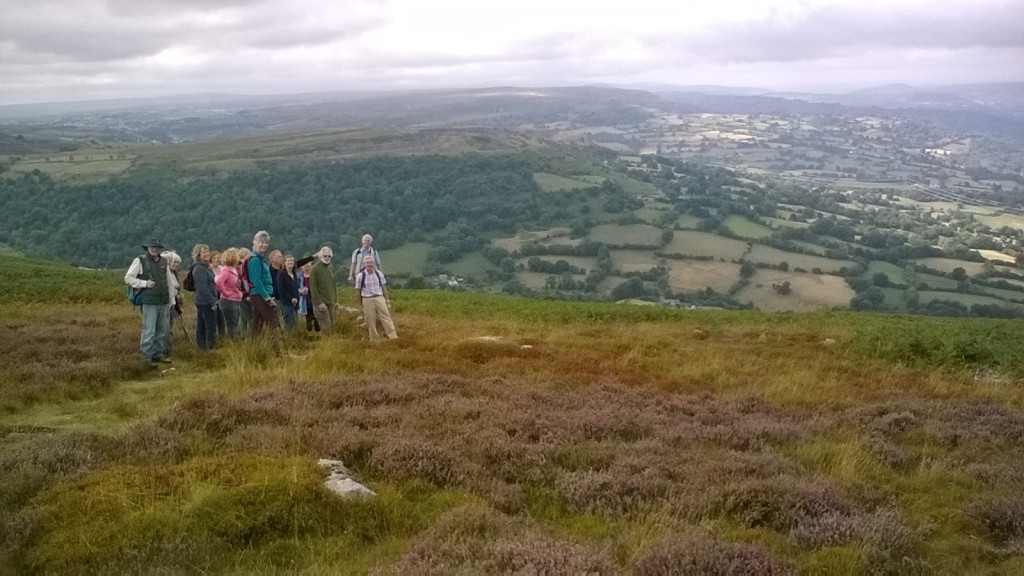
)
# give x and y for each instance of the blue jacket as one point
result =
(259, 275)
(206, 290)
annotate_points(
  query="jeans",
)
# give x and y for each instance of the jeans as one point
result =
(155, 330)
(289, 313)
(206, 327)
(231, 310)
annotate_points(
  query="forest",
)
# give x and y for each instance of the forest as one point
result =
(453, 202)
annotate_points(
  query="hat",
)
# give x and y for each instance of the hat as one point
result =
(153, 242)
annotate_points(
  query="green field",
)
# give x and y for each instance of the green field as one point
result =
(687, 222)
(968, 300)
(692, 243)
(774, 256)
(633, 260)
(633, 234)
(472, 265)
(406, 260)
(1004, 294)
(895, 299)
(892, 271)
(948, 265)
(557, 235)
(585, 262)
(936, 282)
(744, 228)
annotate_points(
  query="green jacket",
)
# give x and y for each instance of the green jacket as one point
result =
(322, 289)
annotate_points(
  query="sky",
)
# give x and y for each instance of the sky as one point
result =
(69, 50)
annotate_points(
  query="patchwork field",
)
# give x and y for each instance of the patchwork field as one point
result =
(808, 291)
(948, 265)
(744, 228)
(693, 243)
(892, 271)
(584, 262)
(774, 256)
(968, 300)
(694, 275)
(557, 235)
(633, 260)
(635, 234)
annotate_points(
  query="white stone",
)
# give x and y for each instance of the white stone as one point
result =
(348, 488)
(340, 481)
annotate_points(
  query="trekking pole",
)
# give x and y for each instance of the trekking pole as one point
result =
(185, 329)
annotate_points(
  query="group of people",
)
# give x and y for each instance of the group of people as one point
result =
(249, 292)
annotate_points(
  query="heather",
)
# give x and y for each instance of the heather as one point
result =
(515, 436)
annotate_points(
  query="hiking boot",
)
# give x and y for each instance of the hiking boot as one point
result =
(162, 360)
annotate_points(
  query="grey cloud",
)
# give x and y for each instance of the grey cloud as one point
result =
(124, 29)
(838, 30)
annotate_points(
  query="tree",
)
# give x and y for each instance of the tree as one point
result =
(632, 288)
(747, 269)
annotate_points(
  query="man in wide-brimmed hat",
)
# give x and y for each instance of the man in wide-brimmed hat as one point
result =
(152, 274)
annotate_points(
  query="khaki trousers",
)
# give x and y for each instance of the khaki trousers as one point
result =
(325, 318)
(376, 310)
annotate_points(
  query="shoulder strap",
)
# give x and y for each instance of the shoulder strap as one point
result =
(147, 266)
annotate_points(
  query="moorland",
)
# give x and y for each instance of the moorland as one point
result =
(504, 434)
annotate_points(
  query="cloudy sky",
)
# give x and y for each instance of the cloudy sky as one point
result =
(63, 50)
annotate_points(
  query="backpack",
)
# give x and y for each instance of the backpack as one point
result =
(190, 280)
(361, 257)
(244, 283)
(362, 279)
(134, 295)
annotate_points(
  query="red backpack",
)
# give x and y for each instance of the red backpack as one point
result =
(244, 283)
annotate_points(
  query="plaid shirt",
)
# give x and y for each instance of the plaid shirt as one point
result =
(372, 284)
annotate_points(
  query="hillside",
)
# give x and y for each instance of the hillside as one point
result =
(505, 434)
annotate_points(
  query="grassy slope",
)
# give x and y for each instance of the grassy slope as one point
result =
(584, 437)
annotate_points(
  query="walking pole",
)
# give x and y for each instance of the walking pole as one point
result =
(185, 329)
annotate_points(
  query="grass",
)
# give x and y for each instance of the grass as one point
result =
(513, 435)
(706, 244)
(407, 259)
(634, 234)
(744, 228)
(769, 255)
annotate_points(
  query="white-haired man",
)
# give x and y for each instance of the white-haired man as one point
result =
(323, 292)
(360, 255)
(371, 287)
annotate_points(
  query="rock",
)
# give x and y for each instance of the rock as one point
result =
(348, 488)
(526, 347)
(699, 334)
(828, 342)
(339, 481)
(487, 338)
